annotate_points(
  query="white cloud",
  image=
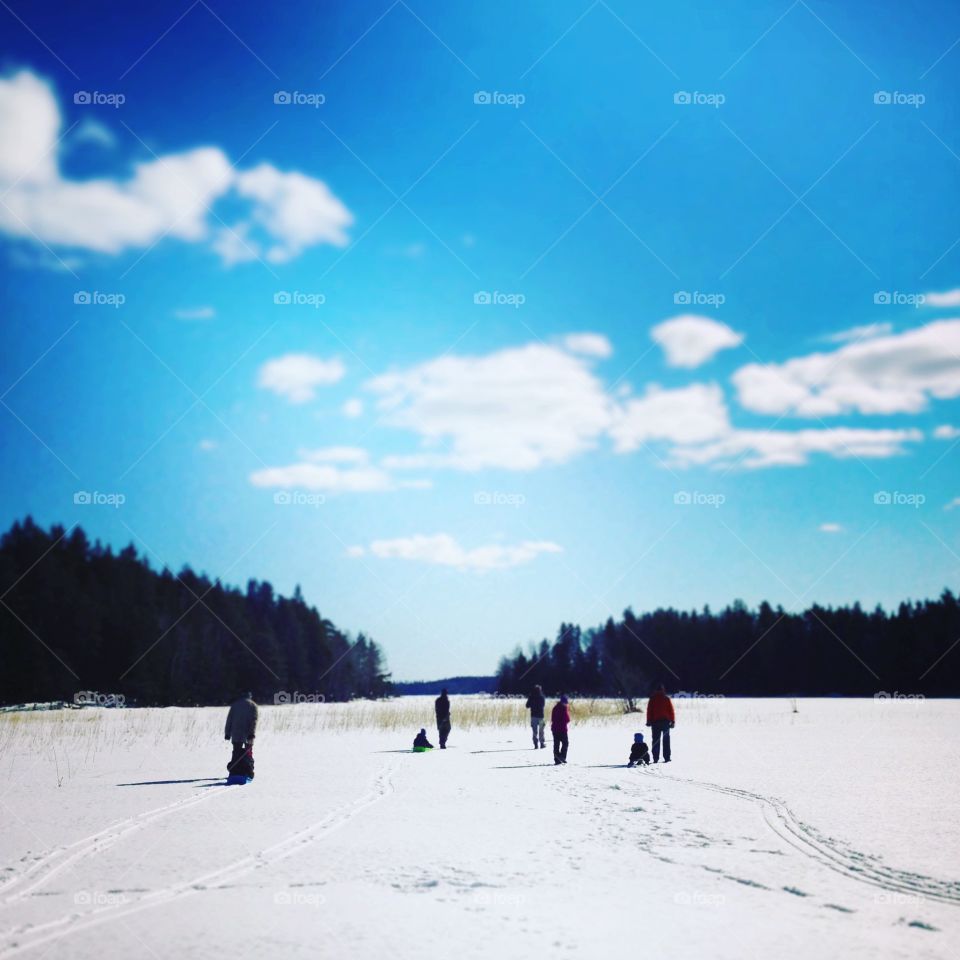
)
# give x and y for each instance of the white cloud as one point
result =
(946, 431)
(947, 298)
(195, 313)
(167, 196)
(356, 551)
(518, 408)
(687, 415)
(588, 344)
(352, 408)
(443, 550)
(297, 375)
(326, 477)
(335, 455)
(891, 374)
(830, 528)
(90, 130)
(953, 504)
(866, 332)
(690, 340)
(790, 448)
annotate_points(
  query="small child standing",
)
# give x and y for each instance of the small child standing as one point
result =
(639, 754)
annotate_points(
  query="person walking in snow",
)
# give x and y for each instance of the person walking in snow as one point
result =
(559, 722)
(660, 718)
(537, 704)
(241, 729)
(442, 708)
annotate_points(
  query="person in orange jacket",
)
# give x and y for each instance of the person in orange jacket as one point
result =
(660, 718)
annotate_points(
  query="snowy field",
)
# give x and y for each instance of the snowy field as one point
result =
(829, 832)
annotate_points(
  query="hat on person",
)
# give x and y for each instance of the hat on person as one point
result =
(638, 738)
(564, 699)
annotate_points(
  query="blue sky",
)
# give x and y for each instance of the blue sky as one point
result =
(501, 316)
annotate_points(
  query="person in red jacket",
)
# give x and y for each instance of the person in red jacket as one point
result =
(559, 722)
(660, 718)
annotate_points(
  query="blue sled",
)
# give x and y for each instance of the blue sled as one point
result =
(236, 780)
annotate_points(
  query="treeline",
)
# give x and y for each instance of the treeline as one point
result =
(741, 652)
(75, 616)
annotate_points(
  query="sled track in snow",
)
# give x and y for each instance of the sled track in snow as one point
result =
(51, 863)
(850, 863)
(20, 940)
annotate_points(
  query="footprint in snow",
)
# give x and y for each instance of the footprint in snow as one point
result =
(835, 906)
(796, 892)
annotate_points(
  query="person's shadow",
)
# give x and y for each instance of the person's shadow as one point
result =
(163, 783)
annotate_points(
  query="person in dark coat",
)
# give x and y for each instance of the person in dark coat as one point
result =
(442, 707)
(537, 705)
(241, 729)
(421, 742)
(559, 722)
(639, 754)
(660, 718)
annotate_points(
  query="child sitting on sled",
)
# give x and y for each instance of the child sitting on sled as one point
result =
(421, 742)
(639, 754)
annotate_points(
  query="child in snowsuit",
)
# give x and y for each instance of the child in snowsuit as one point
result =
(421, 742)
(639, 754)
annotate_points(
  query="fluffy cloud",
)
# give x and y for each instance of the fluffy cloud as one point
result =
(324, 476)
(588, 344)
(443, 550)
(947, 298)
(752, 449)
(830, 528)
(866, 332)
(687, 415)
(689, 340)
(352, 408)
(296, 376)
(167, 196)
(890, 374)
(946, 431)
(335, 455)
(518, 408)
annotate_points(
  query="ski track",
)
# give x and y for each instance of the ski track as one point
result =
(849, 863)
(54, 861)
(34, 936)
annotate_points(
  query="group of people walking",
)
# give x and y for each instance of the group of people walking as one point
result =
(660, 719)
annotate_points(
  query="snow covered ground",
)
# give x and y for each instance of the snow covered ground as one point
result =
(830, 832)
